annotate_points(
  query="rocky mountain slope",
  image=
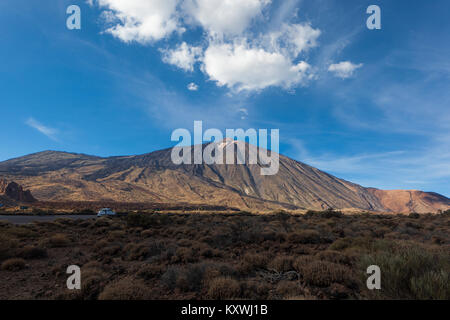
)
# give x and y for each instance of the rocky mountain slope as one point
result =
(61, 176)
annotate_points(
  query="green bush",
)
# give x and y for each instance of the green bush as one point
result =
(432, 285)
(411, 273)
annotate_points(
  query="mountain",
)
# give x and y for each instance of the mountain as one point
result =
(411, 200)
(153, 177)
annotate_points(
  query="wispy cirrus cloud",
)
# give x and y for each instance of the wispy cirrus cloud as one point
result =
(418, 168)
(45, 130)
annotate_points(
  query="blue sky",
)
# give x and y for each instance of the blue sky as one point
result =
(370, 106)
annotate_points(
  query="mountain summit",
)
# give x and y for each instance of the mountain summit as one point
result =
(153, 177)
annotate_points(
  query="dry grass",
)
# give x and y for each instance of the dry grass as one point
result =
(58, 240)
(126, 289)
(224, 288)
(213, 256)
(14, 264)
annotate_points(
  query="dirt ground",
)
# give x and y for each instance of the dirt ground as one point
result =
(318, 255)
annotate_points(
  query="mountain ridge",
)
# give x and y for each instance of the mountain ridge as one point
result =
(153, 177)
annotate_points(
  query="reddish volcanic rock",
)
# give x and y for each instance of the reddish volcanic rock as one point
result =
(406, 201)
(15, 192)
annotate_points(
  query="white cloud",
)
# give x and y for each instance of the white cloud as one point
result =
(262, 62)
(192, 86)
(143, 21)
(241, 67)
(184, 56)
(231, 55)
(49, 132)
(344, 69)
(292, 39)
(244, 113)
(224, 17)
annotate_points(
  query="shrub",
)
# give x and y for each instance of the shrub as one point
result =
(432, 285)
(255, 289)
(126, 289)
(169, 278)
(215, 270)
(191, 277)
(253, 261)
(92, 281)
(58, 241)
(146, 221)
(148, 272)
(22, 232)
(287, 289)
(4, 223)
(341, 244)
(334, 256)
(14, 264)
(194, 276)
(85, 212)
(32, 253)
(361, 244)
(301, 262)
(330, 213)
(111, 250)
(7, 246)
(136, 252)
(116, 234)
(281, 264)
(102, 222)
(281, 215)
(147, 233)
(323, 274)
(305, 236)
(338, 291)
(224, 288)
(185, 255)
(411, 272)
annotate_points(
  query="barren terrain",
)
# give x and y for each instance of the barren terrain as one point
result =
(319, 255)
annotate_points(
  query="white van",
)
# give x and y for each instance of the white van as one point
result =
(106, 212)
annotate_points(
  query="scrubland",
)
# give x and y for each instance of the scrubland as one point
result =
(318, 255)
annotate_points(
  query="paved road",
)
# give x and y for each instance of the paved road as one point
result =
(16, 219)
